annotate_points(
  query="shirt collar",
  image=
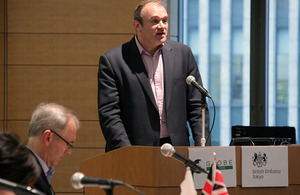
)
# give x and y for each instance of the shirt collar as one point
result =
(141, 49)
(49, 171)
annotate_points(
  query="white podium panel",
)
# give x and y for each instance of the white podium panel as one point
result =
(226, 161)
(264, 166)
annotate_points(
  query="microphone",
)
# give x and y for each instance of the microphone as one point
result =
(18, 188)
(168, 150)
(78, 181)
(190, 80)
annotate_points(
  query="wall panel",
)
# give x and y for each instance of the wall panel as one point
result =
(60, 49)
(72, 86)
(2, 53)
(2, 16)
(1, 50)
(1, 96)
(71, 16)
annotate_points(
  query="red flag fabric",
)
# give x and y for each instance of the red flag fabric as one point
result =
(214, 184)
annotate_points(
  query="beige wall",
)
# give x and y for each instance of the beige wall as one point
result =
(53, 49)
(2, 62)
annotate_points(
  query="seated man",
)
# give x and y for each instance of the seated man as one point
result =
(52, 131)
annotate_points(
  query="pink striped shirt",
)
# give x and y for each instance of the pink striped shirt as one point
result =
(154, 66)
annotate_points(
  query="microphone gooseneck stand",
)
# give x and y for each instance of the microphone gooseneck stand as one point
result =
(203, 107)
(110, 190)
(190, 80)
(78, 181)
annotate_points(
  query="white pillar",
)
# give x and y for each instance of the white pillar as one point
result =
(293, 82)
(204, 41)
(225, 80)
(271, 66)
(246, 62)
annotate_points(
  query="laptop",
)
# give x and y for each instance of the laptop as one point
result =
(262, 135)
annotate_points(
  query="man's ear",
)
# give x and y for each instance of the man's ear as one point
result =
(47, 137)
(136, 25)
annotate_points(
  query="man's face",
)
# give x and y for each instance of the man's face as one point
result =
(154, 30)
(59, 148)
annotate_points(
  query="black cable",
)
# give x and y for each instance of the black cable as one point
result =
(214, 118)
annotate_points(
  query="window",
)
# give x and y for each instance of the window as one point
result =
(284, 63)
(218, 31)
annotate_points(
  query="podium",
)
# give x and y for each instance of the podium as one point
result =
(142, 167)
(149, 171)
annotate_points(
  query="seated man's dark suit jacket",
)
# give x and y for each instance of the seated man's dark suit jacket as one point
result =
(128, 113)
(42, 183)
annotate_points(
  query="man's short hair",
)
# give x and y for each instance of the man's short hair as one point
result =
(50, 116)
(138, 10)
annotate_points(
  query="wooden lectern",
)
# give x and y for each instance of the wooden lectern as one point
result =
(142, 167)
(150, 172)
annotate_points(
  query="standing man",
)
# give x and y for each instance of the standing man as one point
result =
(143, 98)
(52, 132)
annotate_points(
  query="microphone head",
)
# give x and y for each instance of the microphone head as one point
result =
(167, 150)
(76, 180)
(190, 79)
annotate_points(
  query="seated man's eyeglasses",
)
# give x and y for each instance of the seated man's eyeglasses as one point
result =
(70, 146)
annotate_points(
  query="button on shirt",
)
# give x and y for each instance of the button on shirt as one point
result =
(154, 66)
